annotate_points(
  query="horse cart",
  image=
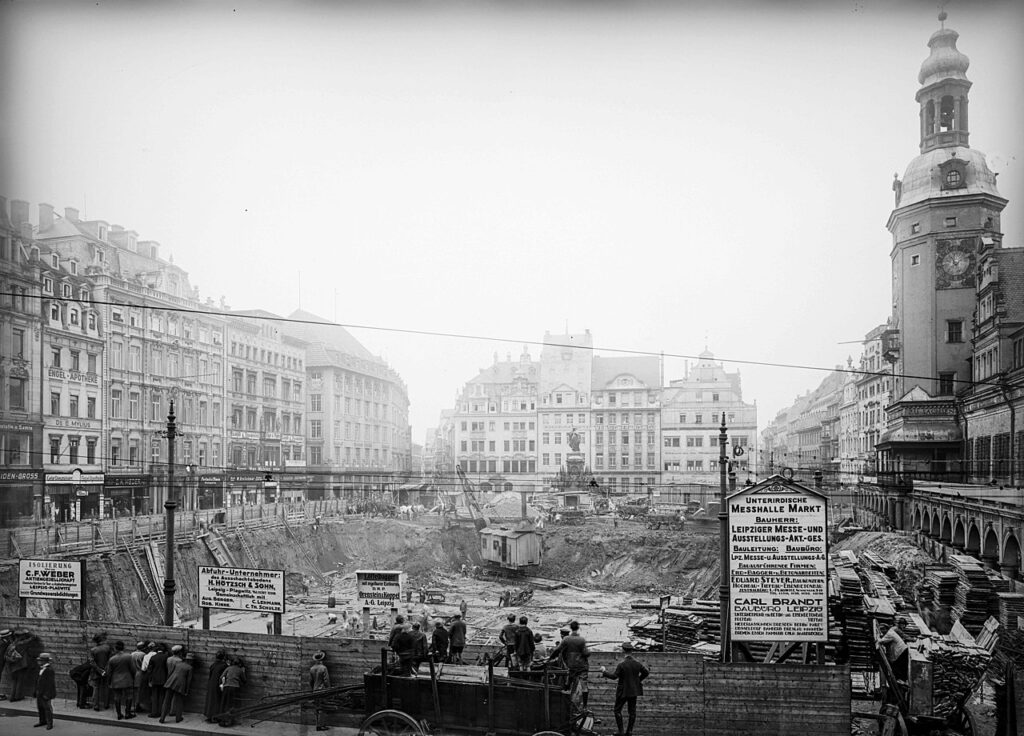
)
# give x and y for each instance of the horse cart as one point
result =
(465, 699)
(444, 700)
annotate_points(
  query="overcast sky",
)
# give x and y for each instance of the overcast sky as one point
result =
(668, 175)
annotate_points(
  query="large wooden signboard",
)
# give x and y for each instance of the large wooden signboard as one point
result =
(54, 579)
(379, 588)
(241, 589)
(778, 576)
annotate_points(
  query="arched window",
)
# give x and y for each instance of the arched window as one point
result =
(929, 117)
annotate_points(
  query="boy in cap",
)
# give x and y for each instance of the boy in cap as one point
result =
(630, 675)
(46, 690)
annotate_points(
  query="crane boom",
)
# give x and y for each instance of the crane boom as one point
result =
(480, 519)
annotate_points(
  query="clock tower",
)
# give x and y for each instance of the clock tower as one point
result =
(945, 204)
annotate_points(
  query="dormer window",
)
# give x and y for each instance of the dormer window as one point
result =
(74, 316)
(953, 179)
(103, 232)
(48, 285)
(83, 295)
(66, 291)
(73, 267)
(55, 260)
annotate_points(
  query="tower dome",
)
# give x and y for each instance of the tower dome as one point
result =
(945, 60)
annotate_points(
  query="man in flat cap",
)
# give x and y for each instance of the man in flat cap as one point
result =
(46, 690)
(630, 675)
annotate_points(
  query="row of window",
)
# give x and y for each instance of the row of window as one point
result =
(355, 383)
(246, 382)
(74, 359)
(262, 355)
(245, 417)
(491, 446)
(507, 466)
(713, 441)
(74, 405)
(74, 317)
(69, 452)
(623, 460)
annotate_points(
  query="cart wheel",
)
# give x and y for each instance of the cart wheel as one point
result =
(390, 723)
(547, 733)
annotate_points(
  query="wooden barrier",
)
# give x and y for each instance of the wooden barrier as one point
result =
(684, 694)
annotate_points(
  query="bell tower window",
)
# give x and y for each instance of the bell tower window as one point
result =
(929, 117)
(947, 116)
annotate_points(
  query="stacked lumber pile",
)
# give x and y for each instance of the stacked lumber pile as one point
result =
(648, 630)
(705, 610)
(973, 593)
(956, 670)
(1010, 608)
(940, 587)
(855, 623)
(682, 629)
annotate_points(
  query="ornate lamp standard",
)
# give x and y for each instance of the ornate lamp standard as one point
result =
(170, 505)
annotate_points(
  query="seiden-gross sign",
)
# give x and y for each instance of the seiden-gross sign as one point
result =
(778, 570)
(379, 588)
(57, 579)
(241, 589)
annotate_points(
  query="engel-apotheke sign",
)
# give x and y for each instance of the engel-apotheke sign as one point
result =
(778, 574)
(56, 579)
(379, 588)
(241, 589)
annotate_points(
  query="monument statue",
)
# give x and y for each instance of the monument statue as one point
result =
(574, 440)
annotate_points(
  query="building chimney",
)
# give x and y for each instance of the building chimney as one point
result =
(19, 212)
(70, 213)
(45, 216)
(26, 230)
(3, 211)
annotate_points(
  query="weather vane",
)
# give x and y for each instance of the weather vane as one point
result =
(942, 13)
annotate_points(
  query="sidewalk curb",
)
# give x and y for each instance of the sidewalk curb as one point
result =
(138, 724)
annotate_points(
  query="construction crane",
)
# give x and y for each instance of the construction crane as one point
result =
(480, 520)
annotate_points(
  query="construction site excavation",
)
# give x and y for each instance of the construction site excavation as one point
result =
(623, 572)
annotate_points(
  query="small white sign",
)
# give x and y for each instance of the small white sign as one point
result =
(57, 579)
(379, 588)
(778, 567)
(241, 589)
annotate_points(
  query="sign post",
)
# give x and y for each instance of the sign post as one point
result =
(241, 589)
(778, 563)
(62, 580)
(379, 589)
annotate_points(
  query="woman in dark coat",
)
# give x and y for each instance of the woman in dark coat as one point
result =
(234, 679)
(212, 706)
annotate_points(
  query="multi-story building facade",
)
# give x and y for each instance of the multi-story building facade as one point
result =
(71, 390)
(158, 349)
(626, 410)
(21, 370)
(874, 392)
(265, 406)
(691, 413)
(357, 412)
(495, 425)
(946, 205)
(564, 386)
(852, 466)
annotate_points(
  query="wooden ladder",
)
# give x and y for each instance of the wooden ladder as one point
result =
(108, 563)
(247, 548)
(133, 555)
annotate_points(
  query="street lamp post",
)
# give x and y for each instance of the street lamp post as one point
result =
(170, 505)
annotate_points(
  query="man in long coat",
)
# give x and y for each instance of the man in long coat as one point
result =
(319, 679)
(121, 673)
(213, 694)
(630, 675)
(46, 690)
(176, 687)
(157, 677)
(99, 679)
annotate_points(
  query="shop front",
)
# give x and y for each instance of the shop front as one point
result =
(128, 495)
(246, 488)
(210, 491)
(74, 496)
(21, 493)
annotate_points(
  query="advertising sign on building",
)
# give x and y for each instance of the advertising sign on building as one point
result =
(379, 588)
(241, 589)
(778, 574)
(57, 579)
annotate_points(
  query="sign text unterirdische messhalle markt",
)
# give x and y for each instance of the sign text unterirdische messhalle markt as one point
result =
(778, 571)
(55, 579)
(379, 588)
(241, 589)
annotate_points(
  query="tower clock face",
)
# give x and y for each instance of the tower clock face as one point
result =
(956, 262)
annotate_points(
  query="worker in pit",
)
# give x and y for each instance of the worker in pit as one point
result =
(894, 644)
(508, 638)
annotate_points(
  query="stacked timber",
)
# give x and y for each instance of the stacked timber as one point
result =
(682, 629)
(940, 586)
(956, 670)
(648, 627)
(853, 616)
(973, 593)
(1011, 607)
(706, 610)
